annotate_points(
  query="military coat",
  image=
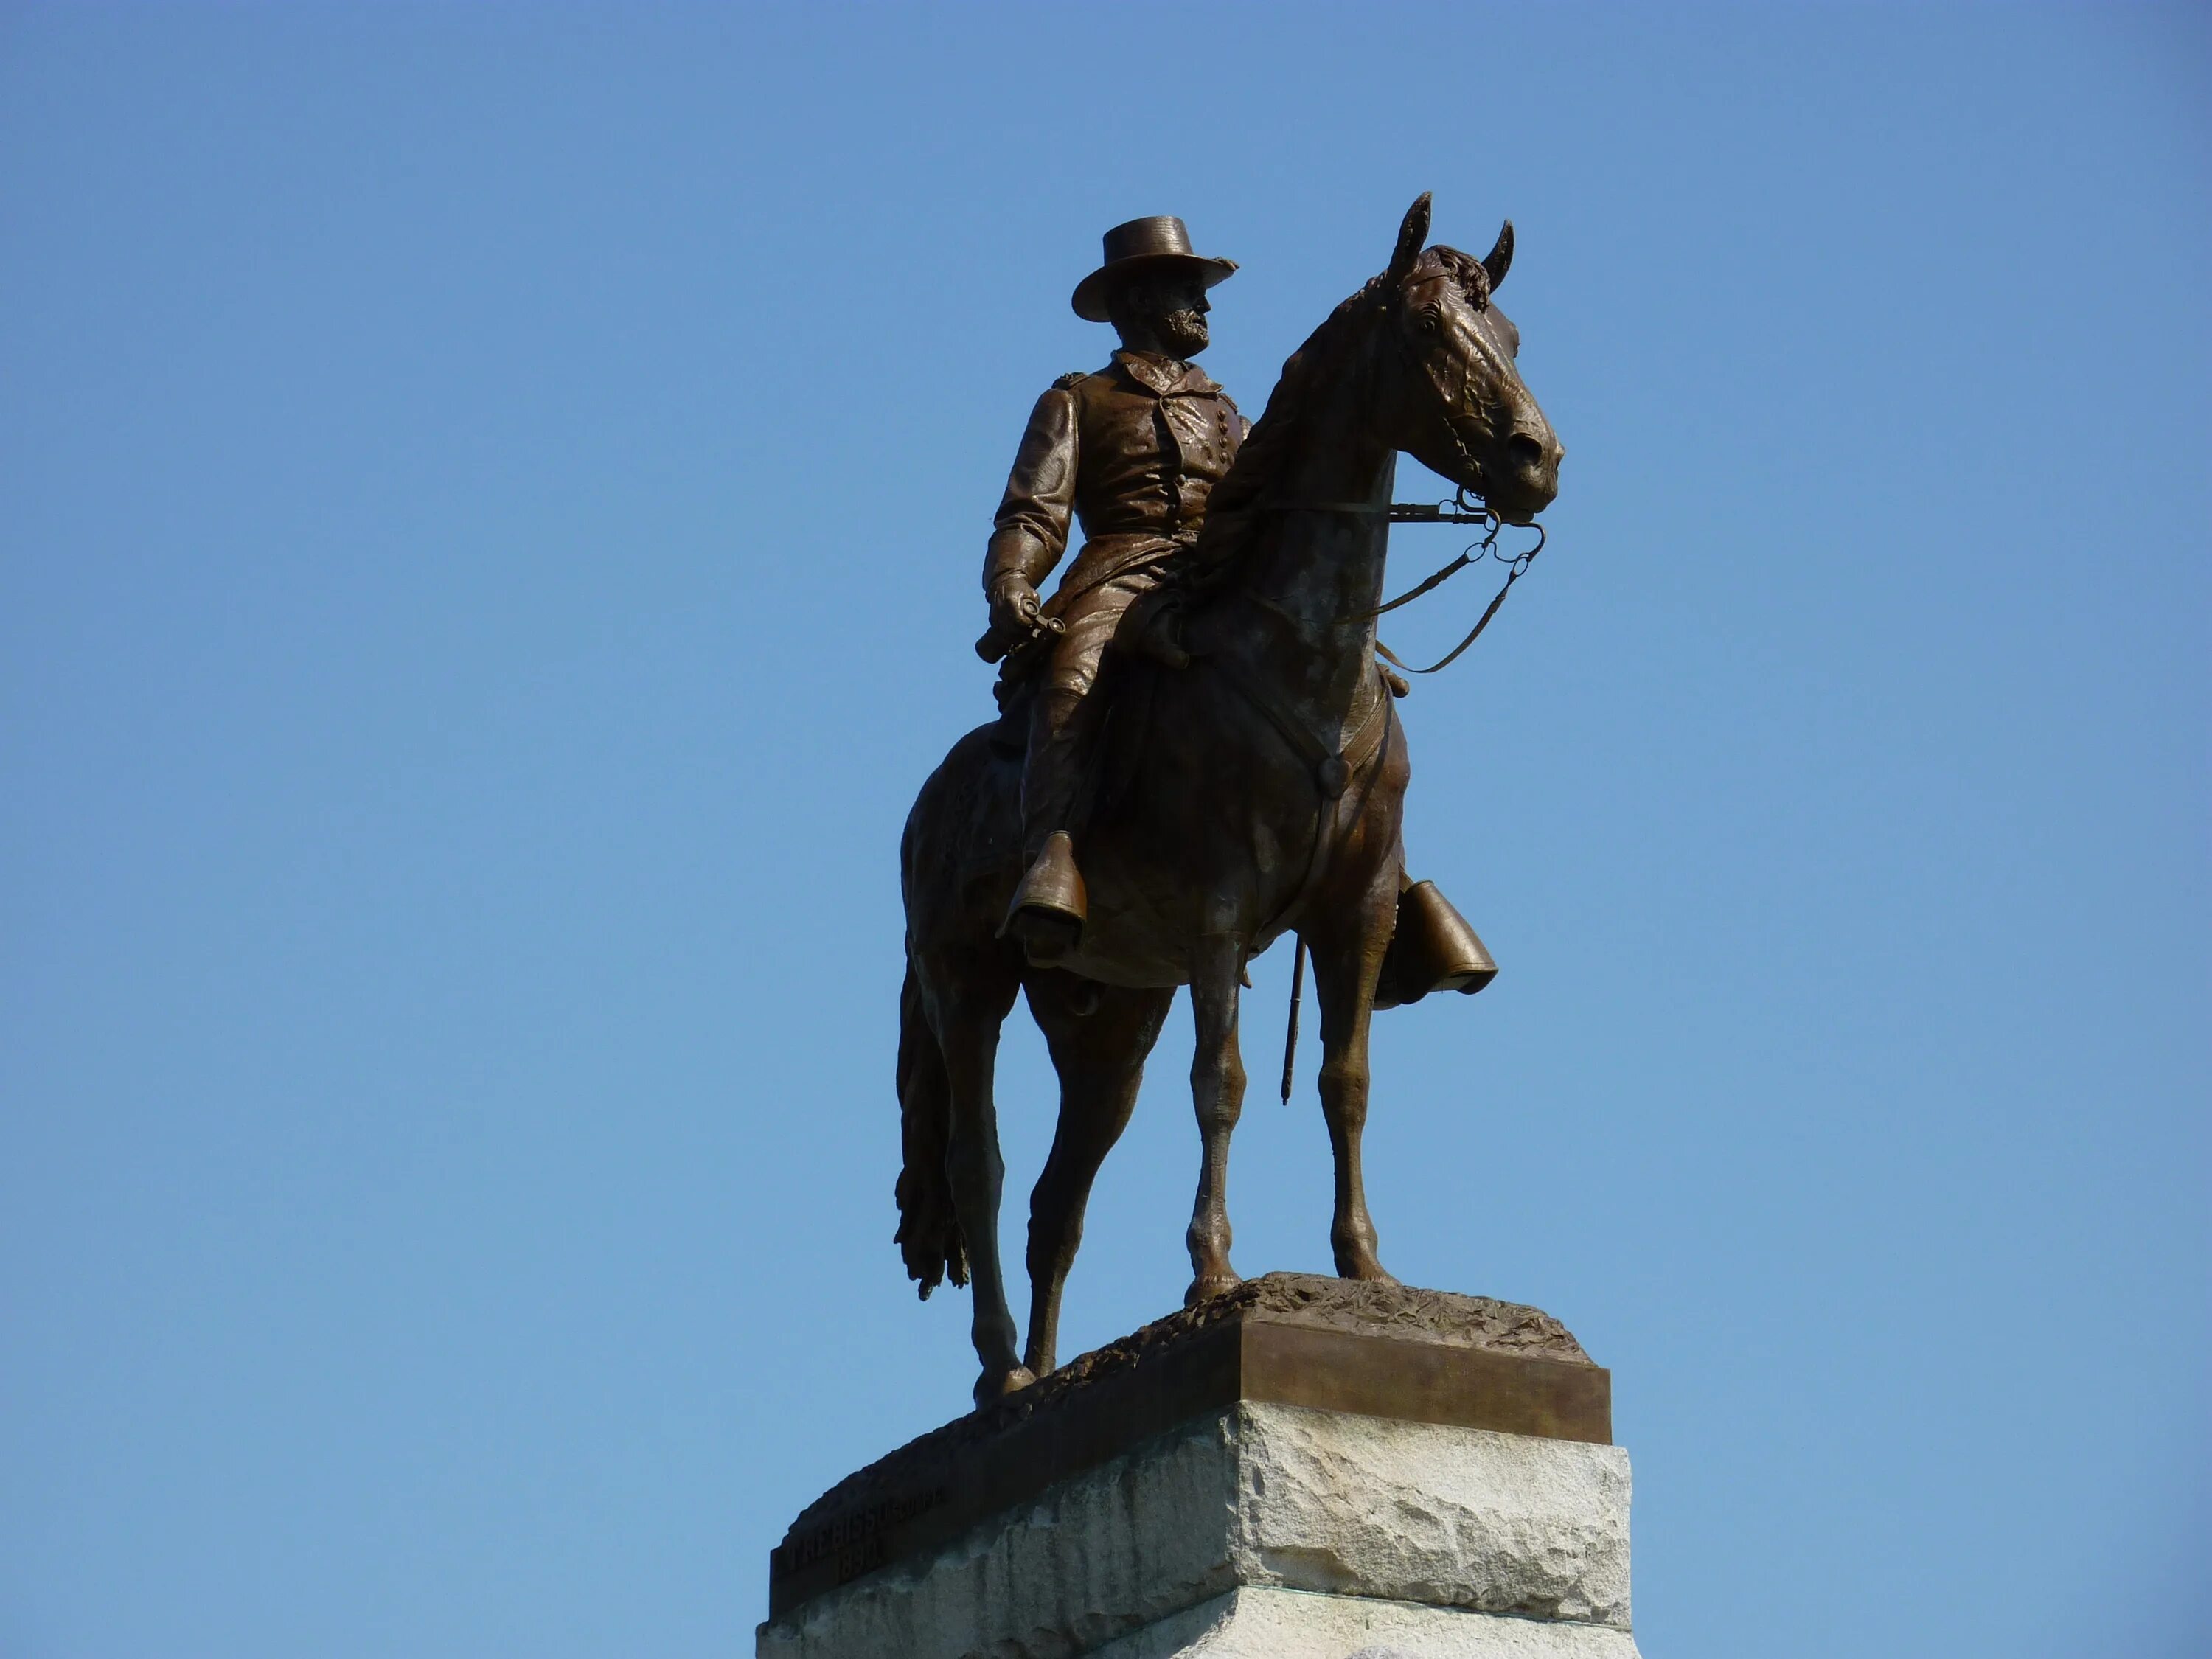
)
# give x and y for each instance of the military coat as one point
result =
(1131, 453)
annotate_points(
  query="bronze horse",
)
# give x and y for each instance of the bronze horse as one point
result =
(1257, 789)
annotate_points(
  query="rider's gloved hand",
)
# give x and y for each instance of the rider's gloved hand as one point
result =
(1014, 607)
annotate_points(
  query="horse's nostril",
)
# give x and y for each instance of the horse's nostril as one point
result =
(1525, 450)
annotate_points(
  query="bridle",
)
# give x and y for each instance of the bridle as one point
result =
(1460, 509)
(1516, 566)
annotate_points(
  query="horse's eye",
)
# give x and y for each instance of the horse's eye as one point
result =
(1430, 321)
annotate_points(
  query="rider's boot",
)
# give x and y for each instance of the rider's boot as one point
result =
(1434, 949)
(1050, 906)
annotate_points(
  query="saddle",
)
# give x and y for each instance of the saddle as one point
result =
(1151, 627)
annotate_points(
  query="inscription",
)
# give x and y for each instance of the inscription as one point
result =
(854, 1543)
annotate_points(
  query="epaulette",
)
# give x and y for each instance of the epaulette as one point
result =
(1070, 379)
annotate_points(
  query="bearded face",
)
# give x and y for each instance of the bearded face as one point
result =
(1184, 332)
(1162, 312)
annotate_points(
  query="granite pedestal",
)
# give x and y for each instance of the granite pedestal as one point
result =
(1304, 1468)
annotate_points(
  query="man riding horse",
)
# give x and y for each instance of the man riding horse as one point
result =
(1257, 788)
(1133, 450)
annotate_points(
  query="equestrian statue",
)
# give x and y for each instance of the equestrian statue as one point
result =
(1197, 749)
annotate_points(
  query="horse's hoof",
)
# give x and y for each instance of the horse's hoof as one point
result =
(1207, 1286)
(1369, 1271)
(994, 1386)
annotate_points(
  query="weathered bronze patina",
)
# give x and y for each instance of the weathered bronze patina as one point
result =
(1248, 778)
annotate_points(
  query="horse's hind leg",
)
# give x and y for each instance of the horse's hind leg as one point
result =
(1347, 959)
(970, 1004)
(1216, 1088)
(1100, 1057)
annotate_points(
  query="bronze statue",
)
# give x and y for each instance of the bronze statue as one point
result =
(1134, 450)
(1231, 769)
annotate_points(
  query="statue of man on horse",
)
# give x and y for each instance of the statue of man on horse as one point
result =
(1131, 452)
(1198, 750)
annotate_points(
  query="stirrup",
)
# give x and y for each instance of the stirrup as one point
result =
(1052, 890)
(1434, 949)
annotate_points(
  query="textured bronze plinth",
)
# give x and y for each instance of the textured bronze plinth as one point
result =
(1287, 1340)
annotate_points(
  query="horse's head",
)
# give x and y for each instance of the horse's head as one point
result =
(1456, 402)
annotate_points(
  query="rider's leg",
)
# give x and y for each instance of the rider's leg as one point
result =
(1053, 775)
(1048, 907)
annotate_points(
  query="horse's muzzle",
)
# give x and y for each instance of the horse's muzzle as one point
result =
(1525, 479)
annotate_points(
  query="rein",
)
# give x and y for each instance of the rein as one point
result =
(1458, 510)
(1517, 567)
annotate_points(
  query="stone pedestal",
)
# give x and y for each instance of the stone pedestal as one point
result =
(1303, 1469)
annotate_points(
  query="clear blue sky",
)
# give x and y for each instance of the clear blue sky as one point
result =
(491, 500)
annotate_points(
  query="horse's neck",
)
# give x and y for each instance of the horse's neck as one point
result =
(1314, 577)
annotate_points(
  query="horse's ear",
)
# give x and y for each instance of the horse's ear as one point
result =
(1499, 260)
(1413, 237)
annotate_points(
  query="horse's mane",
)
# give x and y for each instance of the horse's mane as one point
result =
(1232, 511)
(1232, 514)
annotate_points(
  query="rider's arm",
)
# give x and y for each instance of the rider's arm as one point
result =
(1031, 532)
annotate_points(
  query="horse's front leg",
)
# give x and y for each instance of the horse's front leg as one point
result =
(1217, 1088)
(1347, 955)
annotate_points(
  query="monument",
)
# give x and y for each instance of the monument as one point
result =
(1197, 752)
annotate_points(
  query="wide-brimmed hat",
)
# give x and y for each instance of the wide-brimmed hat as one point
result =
(1158, 243)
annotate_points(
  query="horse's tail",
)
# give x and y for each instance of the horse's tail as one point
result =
(929, 1226)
